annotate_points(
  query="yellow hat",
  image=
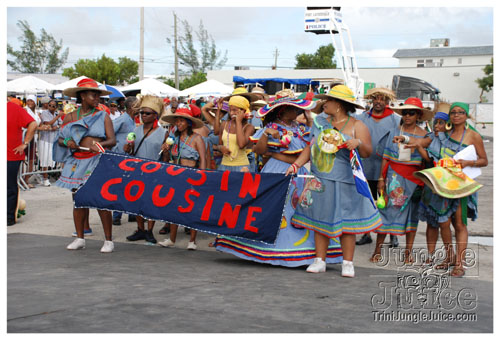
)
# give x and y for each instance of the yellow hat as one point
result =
(342, 93)
(240, 102)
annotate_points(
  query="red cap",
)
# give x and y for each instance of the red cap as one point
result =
(195, 110)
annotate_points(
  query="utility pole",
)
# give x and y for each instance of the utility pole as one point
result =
(141, 53)
(175, 52)
(276, 53)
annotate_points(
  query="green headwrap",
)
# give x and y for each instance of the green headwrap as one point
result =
(461, 105)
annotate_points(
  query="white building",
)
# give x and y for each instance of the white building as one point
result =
(453, 70)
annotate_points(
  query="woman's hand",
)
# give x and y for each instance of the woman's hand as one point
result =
(292, 169)
(272, 132)
(71, 144)
(220, 101)
(353, 144)
(398, 139)
(463, 163)
(240, 116)
(224, 150)
(381, 185)
(165, 147)
(128, 147)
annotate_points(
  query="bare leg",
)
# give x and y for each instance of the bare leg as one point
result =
(431, 236)
(321, 244)
(461, 236)
(79, 220)
(193, 235)
(151, 224)
(348, 243)
(86, 223)
(447, 238)
(173, 232)
(410, 239)
(106, 220)
(377, 252)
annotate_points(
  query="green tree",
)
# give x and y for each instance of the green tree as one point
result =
(322, 58)
(37, 54)
(208, 58)
(105, 70)
(486, 83)
(194, 79)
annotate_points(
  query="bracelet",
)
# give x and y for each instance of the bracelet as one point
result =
(381, 179)
(360, 142)
(66, 140)
(295, 168)
(407, 139)
(474, 164)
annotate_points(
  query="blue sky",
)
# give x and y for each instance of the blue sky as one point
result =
(249, 34)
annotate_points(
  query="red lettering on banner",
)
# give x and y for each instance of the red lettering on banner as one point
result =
(249, 185)
(105, 189)
(250, 219)
(123, 164)
(132, 198)
(229, 216)
(187, 194)
(205, 215)
(172, 172)
(200, 181)
(148, 171)
(162, 201)
(224, 181)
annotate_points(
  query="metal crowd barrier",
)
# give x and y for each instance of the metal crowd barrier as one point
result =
(31, 164)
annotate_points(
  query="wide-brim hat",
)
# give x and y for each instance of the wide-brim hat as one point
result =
(259, 91)
(414, 103)
(372, 93)
(241, 91)
(182, 113)
(295, 102)
(342, 93)
(86, 84)
(258, 104)
(225, 108)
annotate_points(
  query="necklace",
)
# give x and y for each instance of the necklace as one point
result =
(179, 148)
(83, 115)
(340, 121)
(284, 124)
(228, 131)
(402, 131)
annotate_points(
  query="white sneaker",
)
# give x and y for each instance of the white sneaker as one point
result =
(46, 183)
(167, 243)
(347, 268)
(318, 266)
(192, 246)
(108, 247)
(78, 243)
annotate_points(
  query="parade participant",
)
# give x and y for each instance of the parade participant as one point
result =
(380, 119)
(334, 207)
(148, 142)
(429, 201)
(17, 119)
(184, 147)
(396, 181)
(235, 136)
(51, 120)
(209, 112)
(283, 138)
(82, 137)
(122, 126)
(459, 135)
(114, 112)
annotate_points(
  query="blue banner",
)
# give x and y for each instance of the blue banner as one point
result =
(247, 205)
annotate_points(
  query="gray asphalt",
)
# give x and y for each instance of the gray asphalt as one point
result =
(148, 289)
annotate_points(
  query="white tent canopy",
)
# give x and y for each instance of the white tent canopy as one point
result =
(151, 86)
(29, 84)
(208, 88)
(69, 83)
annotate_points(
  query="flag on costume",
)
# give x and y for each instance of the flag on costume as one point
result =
(359, 176)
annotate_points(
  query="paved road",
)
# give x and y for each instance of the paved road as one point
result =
(143, 288)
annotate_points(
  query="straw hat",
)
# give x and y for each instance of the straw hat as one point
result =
(257, 104)
(372, 93)
(241, 91)
(185, 113)
(260, 91)
(342, 93)
(225, 108)
(86, 84)
(414, 103)
(153, 102)
(295, 102)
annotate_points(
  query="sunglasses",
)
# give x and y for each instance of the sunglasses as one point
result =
(52, 106)
(409, 112)
(145, 113)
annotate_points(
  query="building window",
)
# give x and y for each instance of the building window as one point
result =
(459, 61)
(441, 62)
(428, 63)
(420, 63)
